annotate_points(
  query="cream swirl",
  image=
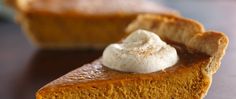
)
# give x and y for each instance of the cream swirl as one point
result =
(141, 52)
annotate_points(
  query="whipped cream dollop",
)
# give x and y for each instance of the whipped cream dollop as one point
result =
(141, 52)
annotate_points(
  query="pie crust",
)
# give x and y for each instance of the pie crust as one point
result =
(187, 32)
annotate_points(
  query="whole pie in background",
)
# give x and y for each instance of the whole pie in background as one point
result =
(65, 24)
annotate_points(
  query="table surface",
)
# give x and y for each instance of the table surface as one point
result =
(24, 68)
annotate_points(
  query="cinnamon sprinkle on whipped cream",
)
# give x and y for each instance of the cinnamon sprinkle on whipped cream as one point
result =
(141, 52)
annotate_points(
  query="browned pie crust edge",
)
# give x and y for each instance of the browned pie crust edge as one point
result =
(185, 31)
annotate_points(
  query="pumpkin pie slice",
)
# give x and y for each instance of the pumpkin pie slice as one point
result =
(199, 52)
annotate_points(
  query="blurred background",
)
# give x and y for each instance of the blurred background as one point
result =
(24, 68)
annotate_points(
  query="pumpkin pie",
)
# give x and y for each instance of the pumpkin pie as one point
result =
(200, 53)
(53, 24)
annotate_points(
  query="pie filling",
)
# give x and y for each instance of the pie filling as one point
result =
(94, 77)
